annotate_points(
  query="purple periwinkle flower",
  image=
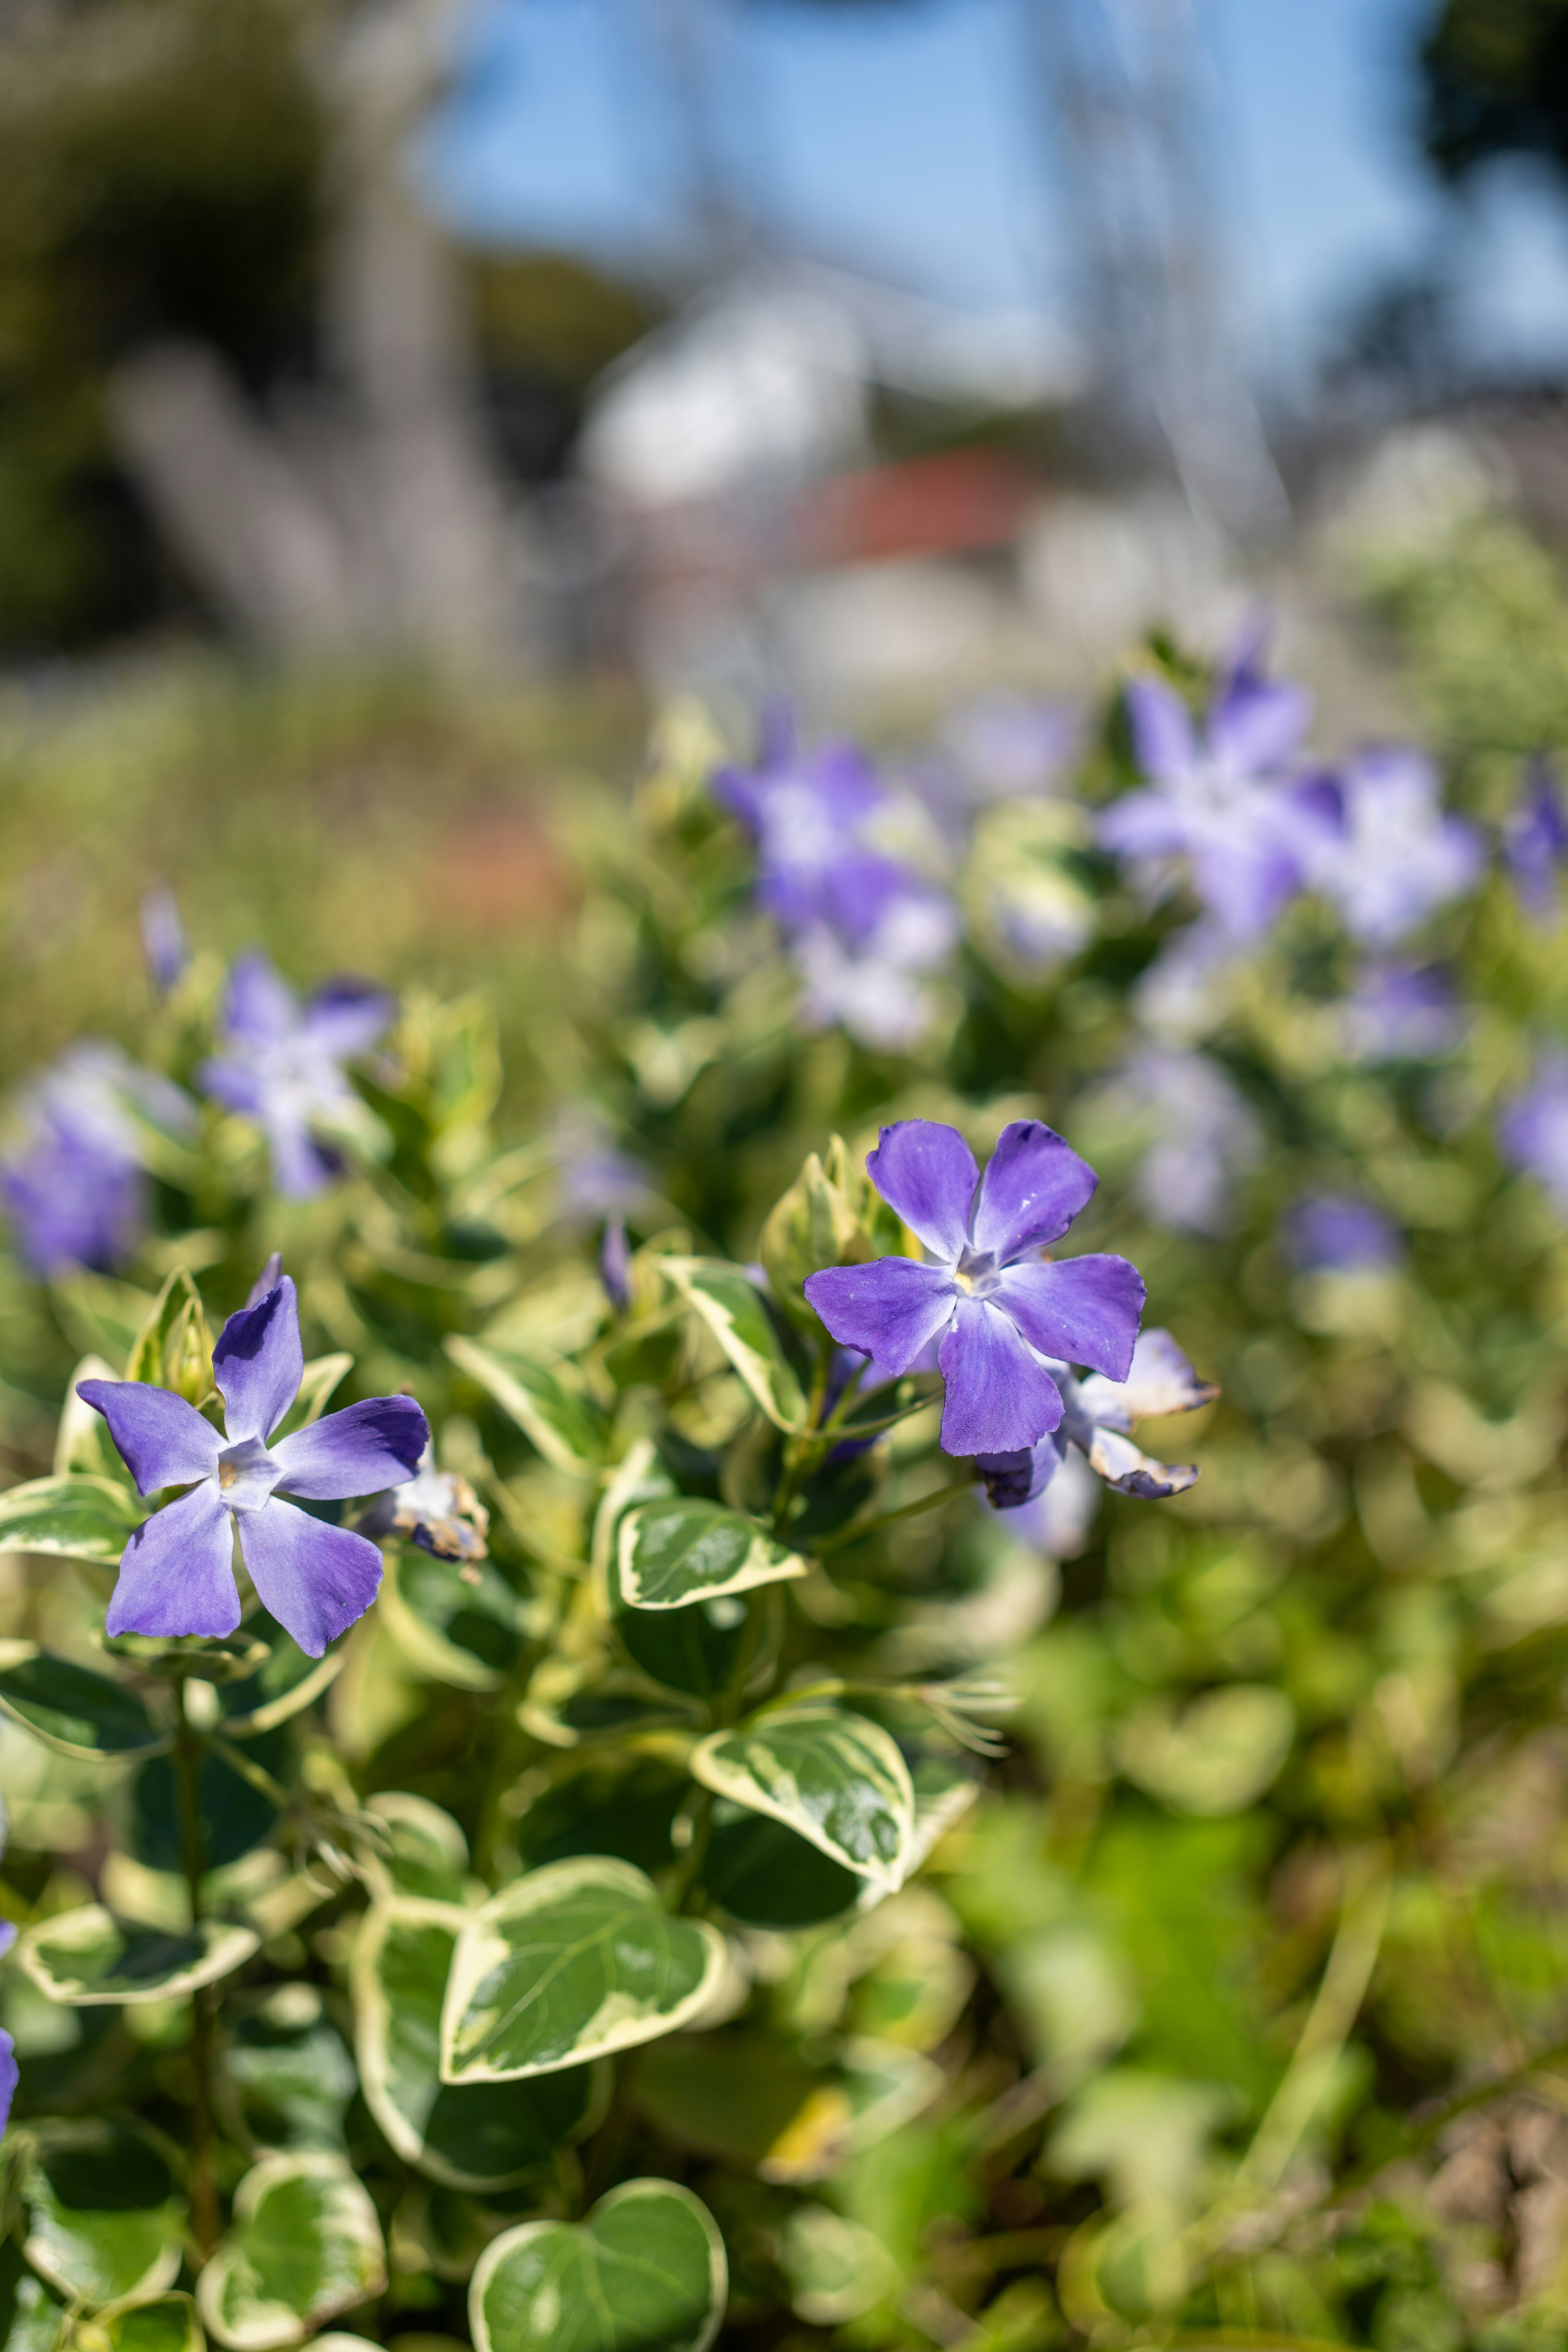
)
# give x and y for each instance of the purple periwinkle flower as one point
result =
(1400, 1013)
(73, 1185)
(1332, 1234)
(1003, 1312)
(1375, 840)
(436, 1509)
(176, 1575)
(1212, 795)
(1097, 1416)
(163, 938)
(283, 1065)
(1532, 1126)
(9, 2072)
(1535, 840)
(1203, 1136)
(594, 1178)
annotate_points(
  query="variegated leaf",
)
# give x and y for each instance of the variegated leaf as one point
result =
(644, 2272)
(837, 1778)
(544, 1397)
(731, 1307)
(682, 1548)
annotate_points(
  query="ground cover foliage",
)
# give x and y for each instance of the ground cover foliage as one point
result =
(732, 1883)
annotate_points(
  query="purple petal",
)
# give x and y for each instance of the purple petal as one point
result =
(927, 1173)
(1142, 825)
(1083, 1309)
(1011, 1480)
(162, 937)
(176, 1574)
(1162, 740)
(300, 1169)
(1246, 882)
(261, 1009)
(163, 1441)
(361, 1450)
(892, 1309)
(1122, 1466)
(346, 1016)
(8, 1935)
(1000, 1398)
(1161, 1381)
(8, 2075)
(259, 1364)
(315, 1579)
(1031, 1189)
(267, 1281)
(1255, 728)
(237, 1084)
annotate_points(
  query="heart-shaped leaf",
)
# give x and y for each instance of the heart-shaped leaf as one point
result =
(644, 2272)
(484, 2136)
(682, 1548)
(74, 1518)
(543, 1398)
(731, 1307)
(836, 1778)
(104, 2218)
(570, 1962)
(305, 2244)
(69, 1707)
(88, 1958)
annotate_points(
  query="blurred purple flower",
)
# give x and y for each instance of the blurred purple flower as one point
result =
(616, 1265)
(73, 1185)
(874, 989)
(9, 2071)
(1400, 1013)
(283, 1067)
(1203, 1136)
(1000, 1308)
(1214, 796)
(1532, 1125)
(1332, 1233)
(1535, 840)
(594, 1179)
(163, 938)
(1001, 747)
(1098, 1415)
(176, 1576)
(1376, 841)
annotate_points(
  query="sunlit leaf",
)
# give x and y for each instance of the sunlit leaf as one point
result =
(644, 2272)
(104, 2214)
(74, 1518)
(834, 1777)
(71, 1708)
(682, 1549)
(305, 2244)
(731, 1307)
(88, 1958)
(544, 1397)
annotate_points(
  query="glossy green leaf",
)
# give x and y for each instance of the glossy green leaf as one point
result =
(105, 2217)
(83, 1445)
(695, 1649)
(88, 1958)
(31, 2314)
(305, 2244)
(164, 2323)
(644, 2272)
(235, 1815)
(767, 1876)
(458, 1620)
(682, 1548)
(484, 2136)
(569, 1963)
(71, 1708)
(287, 2079)
(545, 1398)
(425, 1851)
(837, 1778)
(731, 1307)
(74, 1518)
(287, 1684)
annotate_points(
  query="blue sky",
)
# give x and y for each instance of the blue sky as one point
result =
(906, 141)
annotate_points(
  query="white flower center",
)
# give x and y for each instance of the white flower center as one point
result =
(247, 1474)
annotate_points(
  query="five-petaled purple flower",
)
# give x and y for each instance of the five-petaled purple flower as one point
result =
(176, 1575)
(1375, 840)
(1097, 1417)
(73, 1188)
(1004, 1313)
(284, 1067)
(1215, 795)
(1535, 840)
(1330, 1232)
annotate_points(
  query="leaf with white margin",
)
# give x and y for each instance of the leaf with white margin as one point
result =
(74, 1518)
(90, 1959)
(836, 1778)
(569, 1963)
(82, 1442)
(544, 1397)
(305, 2244)
(163, 2323)
(72, 1709)
(731, 1307)
(644, 2272)
(483, 2135)
(682, 1549)
(104, 2217)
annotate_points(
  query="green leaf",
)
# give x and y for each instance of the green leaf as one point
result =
(305, 2244)
(286, 1683)
(317, 1386)
(682, 1549)
(74, 1518)
(836, 1778)
(731, 1307)
(71, 1708)
(459, 1621)
(88, 1958)
(104, 2219)
(30, 2314)
(816, 1225)
(82, 1442)
(236, 1816)
(287, 2077)
(692, 1649)
(165, 2323)
(767, 1876)
(544, 1397)
(173, 1349)
(427, 1852)
(644, 2272)
(487, 2136)
(570, 1962)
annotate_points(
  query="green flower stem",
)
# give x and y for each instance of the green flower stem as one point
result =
(855, 1534)
(799, 1451)
(189, 1748)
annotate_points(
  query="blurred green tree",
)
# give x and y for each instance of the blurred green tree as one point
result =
(1494, 77)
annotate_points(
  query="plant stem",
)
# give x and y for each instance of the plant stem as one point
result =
(888, 1519)
(187, 1758)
